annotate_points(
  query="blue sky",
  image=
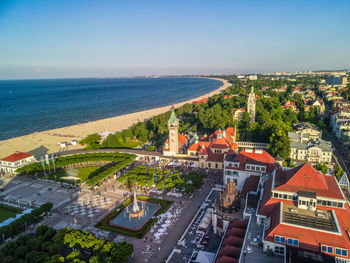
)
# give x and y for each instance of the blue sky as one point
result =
(71, 38)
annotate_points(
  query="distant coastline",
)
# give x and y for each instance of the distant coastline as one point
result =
(48, 140)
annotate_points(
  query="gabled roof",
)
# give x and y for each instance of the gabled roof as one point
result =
(17, 156)
(307, 178)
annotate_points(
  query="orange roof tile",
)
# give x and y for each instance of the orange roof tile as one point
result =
(17, 156)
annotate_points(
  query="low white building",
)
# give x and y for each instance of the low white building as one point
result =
(14, 161)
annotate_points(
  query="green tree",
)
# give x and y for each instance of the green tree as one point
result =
(322, 167)
(338, 171)
(279, 143)
(91, 139)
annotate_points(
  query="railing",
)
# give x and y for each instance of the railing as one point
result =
(259, 145)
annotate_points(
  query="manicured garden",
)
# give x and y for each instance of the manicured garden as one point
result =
(104, 223)
(163, 179)
(98, 166)
(64, 245)
(7, 212)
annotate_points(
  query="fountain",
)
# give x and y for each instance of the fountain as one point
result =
(135, 215)
(136, 211)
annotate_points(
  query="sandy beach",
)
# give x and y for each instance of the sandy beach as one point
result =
(47, 141)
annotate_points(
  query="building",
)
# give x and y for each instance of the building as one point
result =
(198, 102)
(340, 123)
(253, 77)
(304, 209)
(251, 105)
(239, 166)
(238, 114)
(290, 105)
(174, 144)
(307, 145)
(307, 131)
(319, 104)
(14, 161)
(336, 80)
(211, 150)
(225, 208)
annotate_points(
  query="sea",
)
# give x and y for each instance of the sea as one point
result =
(28, 106)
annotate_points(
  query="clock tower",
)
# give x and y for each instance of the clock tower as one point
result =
(173, 126)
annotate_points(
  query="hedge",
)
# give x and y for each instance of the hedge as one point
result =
(104, 223)
(108, 172)
(78, 158)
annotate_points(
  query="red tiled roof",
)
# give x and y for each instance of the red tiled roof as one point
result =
(197, 102)
(307, 178)
(220, 143)
(203, 151)
(230, 249)
(311, 239)
(182, 139)
(17, 156)
(263, 158)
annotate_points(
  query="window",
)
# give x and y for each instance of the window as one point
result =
(263, 169)
(268, 223)
(327, 249)
(280, 239)
(290, 197)
(341, 252)
(340, 205)
(284, 196)
(248, 167)
(279, 250)
(275, 195)
(293, 242)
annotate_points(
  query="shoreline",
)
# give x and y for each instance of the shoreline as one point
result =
(39, 143)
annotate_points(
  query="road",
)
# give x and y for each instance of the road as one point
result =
(341, 152)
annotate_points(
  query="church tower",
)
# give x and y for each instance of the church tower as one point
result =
(251, 105)
(173, 126)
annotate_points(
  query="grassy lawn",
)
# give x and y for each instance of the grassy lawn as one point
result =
(7, 212)
(85, 172)
(83, 175)
(104, 223)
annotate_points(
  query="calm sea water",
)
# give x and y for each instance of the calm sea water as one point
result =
(27, 106)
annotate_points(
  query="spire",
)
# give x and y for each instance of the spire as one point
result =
(252, 89)
(196, 138)
(173, 118)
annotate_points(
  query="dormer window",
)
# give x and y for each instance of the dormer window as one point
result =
(307, 200)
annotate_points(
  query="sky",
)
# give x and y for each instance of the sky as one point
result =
(86, 38)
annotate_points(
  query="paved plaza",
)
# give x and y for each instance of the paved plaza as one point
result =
(24, 192)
